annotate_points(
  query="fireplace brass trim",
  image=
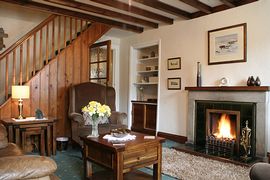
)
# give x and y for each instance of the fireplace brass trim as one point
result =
(245, 142)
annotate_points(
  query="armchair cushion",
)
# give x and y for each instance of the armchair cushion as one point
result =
(26, 167)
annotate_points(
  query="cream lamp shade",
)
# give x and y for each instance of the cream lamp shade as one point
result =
(20, 92)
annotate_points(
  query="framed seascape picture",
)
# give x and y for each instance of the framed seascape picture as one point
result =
(174, 63)
(227, 45)
(174, 83)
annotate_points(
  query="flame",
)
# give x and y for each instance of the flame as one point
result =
(224, 127)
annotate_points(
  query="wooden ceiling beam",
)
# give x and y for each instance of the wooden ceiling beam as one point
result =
(66, 12)
(105, 12)
(243, 2)
(228, 3)
(198, 5)
(135, 10)
(222, 7)
(214, 10)
(164, 7)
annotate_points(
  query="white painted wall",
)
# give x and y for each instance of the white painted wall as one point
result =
(17, 21)
(188, 39)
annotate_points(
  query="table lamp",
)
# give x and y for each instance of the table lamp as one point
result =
(20, 92)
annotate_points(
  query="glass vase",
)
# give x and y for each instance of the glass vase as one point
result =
(95, 127)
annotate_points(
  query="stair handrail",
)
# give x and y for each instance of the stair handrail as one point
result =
(27, 36)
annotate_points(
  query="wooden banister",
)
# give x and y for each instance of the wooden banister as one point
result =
(21, 64)
(14, 68)
(27, 59)
(6, 84)
(47, 43)
(40, 48)
(59, 34)
(28, 35)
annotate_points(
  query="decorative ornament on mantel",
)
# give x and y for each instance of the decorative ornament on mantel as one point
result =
(252, 82)
(257, 81)
(224, 82)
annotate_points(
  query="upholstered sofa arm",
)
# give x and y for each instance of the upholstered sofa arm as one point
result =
(77, 117)
(26, 167)
(117, 117)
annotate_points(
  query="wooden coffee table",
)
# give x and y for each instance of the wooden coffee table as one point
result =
(121, 159)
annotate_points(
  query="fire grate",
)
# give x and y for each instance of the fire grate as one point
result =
(220, 146)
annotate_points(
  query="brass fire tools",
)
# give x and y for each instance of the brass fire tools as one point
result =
(245, 142)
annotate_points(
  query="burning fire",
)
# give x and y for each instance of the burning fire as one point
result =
(224, 128)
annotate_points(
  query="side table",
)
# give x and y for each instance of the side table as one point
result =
(19, 129)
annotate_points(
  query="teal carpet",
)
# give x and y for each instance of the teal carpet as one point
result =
(70, 164)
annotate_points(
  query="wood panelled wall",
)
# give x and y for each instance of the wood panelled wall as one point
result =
(49, 87)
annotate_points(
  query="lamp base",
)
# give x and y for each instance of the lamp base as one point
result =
(20, 109)
(20, 117)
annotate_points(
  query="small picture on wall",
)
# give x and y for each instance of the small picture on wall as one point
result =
(174, 63)
(174, 83)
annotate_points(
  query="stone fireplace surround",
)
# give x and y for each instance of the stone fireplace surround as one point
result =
(258, 95)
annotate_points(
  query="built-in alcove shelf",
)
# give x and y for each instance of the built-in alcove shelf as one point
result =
(229, 88)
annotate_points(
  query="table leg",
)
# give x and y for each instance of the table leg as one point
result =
(17, 137)
(10, 134)
(118, 166)
(157, 166)
(23, 140)
(88, 171)
(49, 144)
(42, 143)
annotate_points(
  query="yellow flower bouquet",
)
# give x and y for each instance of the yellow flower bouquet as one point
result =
(95, 113)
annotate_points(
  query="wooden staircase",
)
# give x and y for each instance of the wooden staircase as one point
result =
(49, 59)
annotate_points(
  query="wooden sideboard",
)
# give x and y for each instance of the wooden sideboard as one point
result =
(19, 130)
(144, 116)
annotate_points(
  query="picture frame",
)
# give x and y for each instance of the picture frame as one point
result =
(227, 44)
(174, 63)
(174, 83)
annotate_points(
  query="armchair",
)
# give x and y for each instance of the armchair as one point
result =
(79, 96)
(15, 165)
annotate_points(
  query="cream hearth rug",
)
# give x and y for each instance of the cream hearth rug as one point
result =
(189, 167)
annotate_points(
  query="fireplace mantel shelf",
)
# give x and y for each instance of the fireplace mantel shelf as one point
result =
(229, 88)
